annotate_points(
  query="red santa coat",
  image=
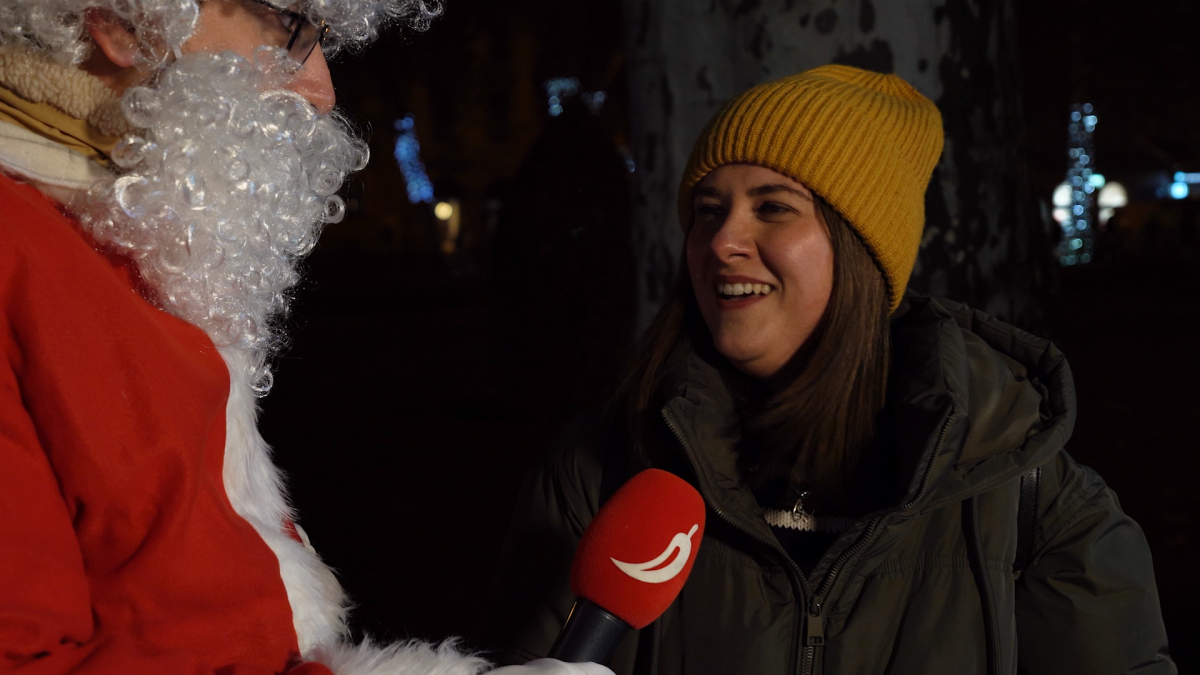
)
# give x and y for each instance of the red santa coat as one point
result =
(143, 527)
(119, 547)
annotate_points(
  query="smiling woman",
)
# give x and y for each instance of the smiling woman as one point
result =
(754, 227)
(863, 452)
(784, 290)
(802, 320)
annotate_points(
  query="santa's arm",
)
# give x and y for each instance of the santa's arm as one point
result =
(47, 620)
(45, 611)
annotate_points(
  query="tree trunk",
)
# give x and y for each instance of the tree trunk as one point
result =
(984, 241)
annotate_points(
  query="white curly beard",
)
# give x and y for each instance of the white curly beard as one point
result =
(223, 191)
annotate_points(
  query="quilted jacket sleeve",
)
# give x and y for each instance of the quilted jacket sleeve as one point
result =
(1088, 601)
(531, 595)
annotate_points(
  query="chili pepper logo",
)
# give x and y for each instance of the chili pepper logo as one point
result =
(650, 572)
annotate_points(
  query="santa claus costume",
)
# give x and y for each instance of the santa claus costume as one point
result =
(143, 526)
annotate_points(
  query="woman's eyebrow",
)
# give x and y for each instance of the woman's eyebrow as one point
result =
(706, 192)
(778, 187)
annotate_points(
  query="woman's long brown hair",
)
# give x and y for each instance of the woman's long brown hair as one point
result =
(810, 427)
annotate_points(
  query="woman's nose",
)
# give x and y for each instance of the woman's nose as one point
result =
(314, 83)
(735, 237)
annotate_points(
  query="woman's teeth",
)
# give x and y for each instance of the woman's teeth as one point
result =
(733, 290)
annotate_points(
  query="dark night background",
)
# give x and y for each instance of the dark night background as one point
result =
(422, 382)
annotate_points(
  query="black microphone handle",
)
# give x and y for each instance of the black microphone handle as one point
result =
(591, 633)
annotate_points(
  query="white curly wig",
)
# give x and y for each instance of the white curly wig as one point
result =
(56, 27)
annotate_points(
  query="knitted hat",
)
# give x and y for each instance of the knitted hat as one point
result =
(866, 142)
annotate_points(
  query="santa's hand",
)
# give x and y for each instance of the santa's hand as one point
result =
(552, 667)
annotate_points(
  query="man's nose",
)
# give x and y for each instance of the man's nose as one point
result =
(314, 83)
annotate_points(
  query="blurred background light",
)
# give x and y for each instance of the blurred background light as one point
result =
(559, 88)
(1062, 195)
(449, 215)
(408, 157)
(1073, 199)
(594, 100)
(1113, 196)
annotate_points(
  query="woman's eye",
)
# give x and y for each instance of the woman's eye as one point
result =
(772, 208)
(709, 210)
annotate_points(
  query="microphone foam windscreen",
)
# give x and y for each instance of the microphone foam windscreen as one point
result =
(635, 555)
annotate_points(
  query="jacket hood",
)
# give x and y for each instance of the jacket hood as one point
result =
(973, 402)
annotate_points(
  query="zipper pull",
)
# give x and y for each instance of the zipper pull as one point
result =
(814, 630)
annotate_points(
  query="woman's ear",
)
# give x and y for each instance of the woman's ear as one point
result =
(114, 38)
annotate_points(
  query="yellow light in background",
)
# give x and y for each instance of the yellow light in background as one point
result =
(1113, 196)
(449, 215)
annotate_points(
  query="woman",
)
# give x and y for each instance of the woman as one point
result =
(863, 453)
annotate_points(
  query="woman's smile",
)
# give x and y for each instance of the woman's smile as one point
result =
(738, 292)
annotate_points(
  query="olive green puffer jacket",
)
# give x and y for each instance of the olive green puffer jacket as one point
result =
(922, 588)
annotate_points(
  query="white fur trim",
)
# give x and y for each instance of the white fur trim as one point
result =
(255, 489)
(319, 605)
(402, 658)
(35, 77)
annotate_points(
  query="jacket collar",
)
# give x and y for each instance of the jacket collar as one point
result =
(702, 414)
(973, 402)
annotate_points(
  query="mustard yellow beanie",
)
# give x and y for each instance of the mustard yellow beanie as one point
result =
(866, 142)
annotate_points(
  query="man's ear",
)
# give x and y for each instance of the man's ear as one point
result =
(113, 37)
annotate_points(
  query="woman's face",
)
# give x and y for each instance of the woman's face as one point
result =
(761, 265)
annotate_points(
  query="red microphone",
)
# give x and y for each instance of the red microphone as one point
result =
(631, 563)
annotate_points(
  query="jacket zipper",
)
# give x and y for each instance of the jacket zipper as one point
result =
(815, 633)
(814, 628)
(773, 545)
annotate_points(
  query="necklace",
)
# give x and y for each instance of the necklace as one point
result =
(805, 521)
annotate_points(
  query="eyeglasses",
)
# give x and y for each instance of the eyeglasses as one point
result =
(306, 35)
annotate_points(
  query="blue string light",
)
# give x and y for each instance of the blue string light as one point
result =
(1075, 248)
(408, 156)
(557, 89)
